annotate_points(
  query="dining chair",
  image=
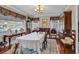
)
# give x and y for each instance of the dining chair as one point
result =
(44, 44)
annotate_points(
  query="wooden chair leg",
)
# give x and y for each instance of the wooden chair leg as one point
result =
(15, 48)
(44, 45)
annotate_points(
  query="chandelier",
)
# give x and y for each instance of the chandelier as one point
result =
(39, 8)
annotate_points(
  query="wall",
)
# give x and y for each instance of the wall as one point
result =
(73, 17)
(44, 22)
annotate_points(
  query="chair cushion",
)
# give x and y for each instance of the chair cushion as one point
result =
(67, 40)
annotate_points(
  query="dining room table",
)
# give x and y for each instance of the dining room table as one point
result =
(33, 40)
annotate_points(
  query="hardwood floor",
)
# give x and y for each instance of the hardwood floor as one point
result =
(2, 50)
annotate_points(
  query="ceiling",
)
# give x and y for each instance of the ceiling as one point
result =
(49, 10)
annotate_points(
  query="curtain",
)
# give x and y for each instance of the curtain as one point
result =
(57, 24)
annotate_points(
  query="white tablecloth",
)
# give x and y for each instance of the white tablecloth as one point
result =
(33, 40)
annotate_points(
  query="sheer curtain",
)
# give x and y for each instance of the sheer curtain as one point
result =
(58, 25)
(61, 25)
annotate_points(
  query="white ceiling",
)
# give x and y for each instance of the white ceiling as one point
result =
(49, 10)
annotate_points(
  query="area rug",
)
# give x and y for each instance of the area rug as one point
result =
(28, 51)
(52, 47)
